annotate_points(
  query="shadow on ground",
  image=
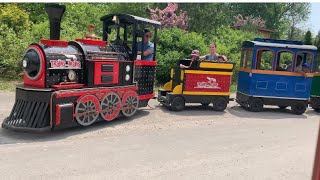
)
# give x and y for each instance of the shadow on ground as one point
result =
(193, 110)
(269, 113)
(12, 137)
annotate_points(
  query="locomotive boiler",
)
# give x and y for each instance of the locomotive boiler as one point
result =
(71, 83)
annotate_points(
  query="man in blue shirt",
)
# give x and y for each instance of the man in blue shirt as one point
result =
(148, 47)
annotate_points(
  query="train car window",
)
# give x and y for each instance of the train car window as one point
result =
(243, 52)
(307, 61)
(264, 59)
(317, 62)
(284, 61)
(248, 58)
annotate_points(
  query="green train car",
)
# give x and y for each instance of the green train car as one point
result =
(315, 88)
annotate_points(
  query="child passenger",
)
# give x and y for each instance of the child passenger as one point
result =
(194, 60)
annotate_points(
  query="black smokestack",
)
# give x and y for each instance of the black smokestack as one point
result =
(55, 12)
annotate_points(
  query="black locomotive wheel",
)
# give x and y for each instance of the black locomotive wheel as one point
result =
(255, 105)
(299, 108)
(282, 107)
(86, 111)
(220, 104)
(178, 104)
(205, 104)
(130, 103)
(110, 106)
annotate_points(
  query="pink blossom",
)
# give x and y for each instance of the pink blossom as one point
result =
(169, 18)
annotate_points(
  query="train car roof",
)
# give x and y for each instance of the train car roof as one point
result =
(129, 19)
(278, 44)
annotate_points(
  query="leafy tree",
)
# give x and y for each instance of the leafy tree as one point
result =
(15, 18)
(278, 16)
(317, 40)
(14, 38)
(297, 13)
(308, 38)
(11, 51)
(206, 18)
(36, 11)
(137, 9)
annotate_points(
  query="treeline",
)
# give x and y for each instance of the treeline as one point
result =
(24, 23)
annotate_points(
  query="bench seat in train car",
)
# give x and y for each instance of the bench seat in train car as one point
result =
(261, 84)
(206, 84)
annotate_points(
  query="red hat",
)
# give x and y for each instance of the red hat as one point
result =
(195, 53)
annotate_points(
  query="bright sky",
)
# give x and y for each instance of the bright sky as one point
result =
(314, 18)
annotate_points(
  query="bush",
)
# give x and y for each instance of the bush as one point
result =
(11, 51)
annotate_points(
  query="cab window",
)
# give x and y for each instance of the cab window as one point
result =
(284, 61)
(264, 59)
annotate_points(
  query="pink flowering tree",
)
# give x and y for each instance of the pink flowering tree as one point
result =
(169, 18)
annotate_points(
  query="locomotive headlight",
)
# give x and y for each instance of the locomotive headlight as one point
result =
(72, 75)
(128, 68)
(24, 63)
(127, 77)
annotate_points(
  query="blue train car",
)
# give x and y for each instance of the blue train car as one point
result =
(275, 72)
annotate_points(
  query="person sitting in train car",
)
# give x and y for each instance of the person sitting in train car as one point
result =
(148, 46)
(306, 68)
(298, 67)
(214, 56)
(195, 55)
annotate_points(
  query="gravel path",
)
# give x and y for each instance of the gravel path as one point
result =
(197, 143)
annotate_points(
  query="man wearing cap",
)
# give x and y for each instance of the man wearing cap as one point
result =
(148, 47)
(194, 60)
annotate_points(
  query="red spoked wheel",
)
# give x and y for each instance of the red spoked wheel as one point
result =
(130, 103)
(110, 106)
(87, 110)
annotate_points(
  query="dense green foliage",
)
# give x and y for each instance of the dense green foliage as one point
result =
(229, 43)
(25, 23)
(308, 38)
(175, 44)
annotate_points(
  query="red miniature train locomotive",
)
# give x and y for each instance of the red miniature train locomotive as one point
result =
(67, 83)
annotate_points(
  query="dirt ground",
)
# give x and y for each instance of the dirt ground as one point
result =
(197, 143)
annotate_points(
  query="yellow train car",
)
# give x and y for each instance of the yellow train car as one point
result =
(208, 83)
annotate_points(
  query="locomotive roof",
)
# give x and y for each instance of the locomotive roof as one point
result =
(129, 19)
(279, 45)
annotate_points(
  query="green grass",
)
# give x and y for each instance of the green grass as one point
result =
(8, 86)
